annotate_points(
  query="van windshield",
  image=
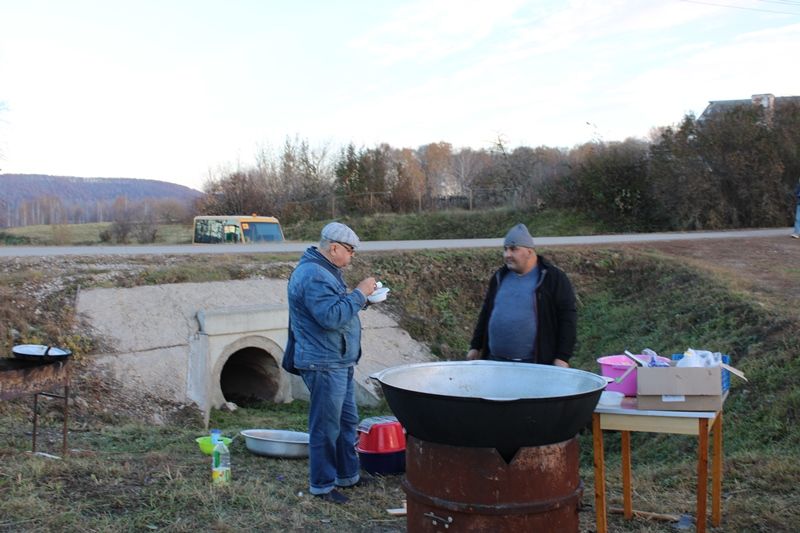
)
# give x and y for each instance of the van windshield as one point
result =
(261, 231)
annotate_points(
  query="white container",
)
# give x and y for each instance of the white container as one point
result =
(378, 295)
(609, 398)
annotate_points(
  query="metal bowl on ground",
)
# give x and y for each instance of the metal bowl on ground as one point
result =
(40, 353)
(490, 403)
(276, 442)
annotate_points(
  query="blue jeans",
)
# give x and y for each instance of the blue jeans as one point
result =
(332, 421)
(797, 221)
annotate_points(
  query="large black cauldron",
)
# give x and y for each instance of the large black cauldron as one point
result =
(491, 404)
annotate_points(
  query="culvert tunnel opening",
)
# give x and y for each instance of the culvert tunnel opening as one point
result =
(250, 376)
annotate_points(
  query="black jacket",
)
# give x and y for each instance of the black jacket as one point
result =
(555, 312)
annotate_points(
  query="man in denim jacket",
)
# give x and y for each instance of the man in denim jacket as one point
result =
(326, 339)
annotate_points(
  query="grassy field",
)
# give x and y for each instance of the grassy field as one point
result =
(128, 475)
(437, 225)
(86, 234)
(454, 225)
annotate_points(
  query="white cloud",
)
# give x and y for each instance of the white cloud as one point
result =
(430, 30)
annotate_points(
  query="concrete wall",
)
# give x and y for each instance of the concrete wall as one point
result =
(178, 341)
(225, 331)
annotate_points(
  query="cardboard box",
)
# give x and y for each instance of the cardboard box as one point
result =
(680, 389)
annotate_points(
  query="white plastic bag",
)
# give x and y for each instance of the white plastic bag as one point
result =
(699, 358)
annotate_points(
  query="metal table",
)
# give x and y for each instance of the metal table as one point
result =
(19, 377)
(627, 418)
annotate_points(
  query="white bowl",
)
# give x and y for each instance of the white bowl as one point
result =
(610, 398)
(378, 295)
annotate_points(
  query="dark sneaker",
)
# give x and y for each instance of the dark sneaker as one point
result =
(333, 496)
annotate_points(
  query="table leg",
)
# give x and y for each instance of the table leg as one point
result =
(702, 475)
(627, 489)
(599, 476)
(716, 473)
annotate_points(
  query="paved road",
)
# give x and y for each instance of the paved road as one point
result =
(42, 251)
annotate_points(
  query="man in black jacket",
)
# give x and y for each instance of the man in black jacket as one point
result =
(529, 312)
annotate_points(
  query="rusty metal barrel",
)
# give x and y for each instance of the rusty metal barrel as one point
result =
(455, 488)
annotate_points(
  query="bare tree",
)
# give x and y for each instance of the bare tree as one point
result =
(436, 160)
(171, 211)
(409, 188)
(5, 214)
(467, 165)
(3, 108)
(123, 215)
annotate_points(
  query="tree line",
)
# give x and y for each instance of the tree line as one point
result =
(32, 199)
(735, 169)
(50, 210)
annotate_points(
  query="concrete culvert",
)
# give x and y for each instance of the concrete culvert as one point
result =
(250, 375)
(217, 342)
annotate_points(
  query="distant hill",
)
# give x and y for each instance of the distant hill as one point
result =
(40, 199)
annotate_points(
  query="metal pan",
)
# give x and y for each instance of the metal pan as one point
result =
(40, 352)
(276, 442)
(493, 404)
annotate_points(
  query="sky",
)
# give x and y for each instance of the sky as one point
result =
(179, 90)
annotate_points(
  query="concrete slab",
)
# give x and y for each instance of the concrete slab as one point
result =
(152, 330)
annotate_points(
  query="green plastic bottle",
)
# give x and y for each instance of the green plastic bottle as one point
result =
(220, 460)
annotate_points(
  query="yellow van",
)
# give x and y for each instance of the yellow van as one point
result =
(223, 229)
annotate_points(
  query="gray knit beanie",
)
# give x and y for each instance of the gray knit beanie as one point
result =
(518, 236)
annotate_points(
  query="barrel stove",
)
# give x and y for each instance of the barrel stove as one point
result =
(491, 445)
(454, 488)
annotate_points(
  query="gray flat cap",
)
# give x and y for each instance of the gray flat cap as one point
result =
(518, 236)
(336, 231)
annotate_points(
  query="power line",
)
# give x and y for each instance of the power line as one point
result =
(782, 2)
(742, 7)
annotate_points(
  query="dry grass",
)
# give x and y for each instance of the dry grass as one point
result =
(130, 476)
(89, 234)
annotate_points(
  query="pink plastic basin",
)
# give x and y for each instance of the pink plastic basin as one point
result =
(613, 366)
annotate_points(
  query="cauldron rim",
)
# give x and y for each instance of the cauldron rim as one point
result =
(476, 421)
(600, 382)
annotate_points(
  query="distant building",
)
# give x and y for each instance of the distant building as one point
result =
(768, 102)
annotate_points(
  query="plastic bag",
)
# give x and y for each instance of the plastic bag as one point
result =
(699, 358)
(654, 360)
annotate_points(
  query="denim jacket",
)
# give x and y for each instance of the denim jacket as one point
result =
(323, 316)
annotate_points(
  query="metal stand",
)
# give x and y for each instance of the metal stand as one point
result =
(19, 378)
(65, 397)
